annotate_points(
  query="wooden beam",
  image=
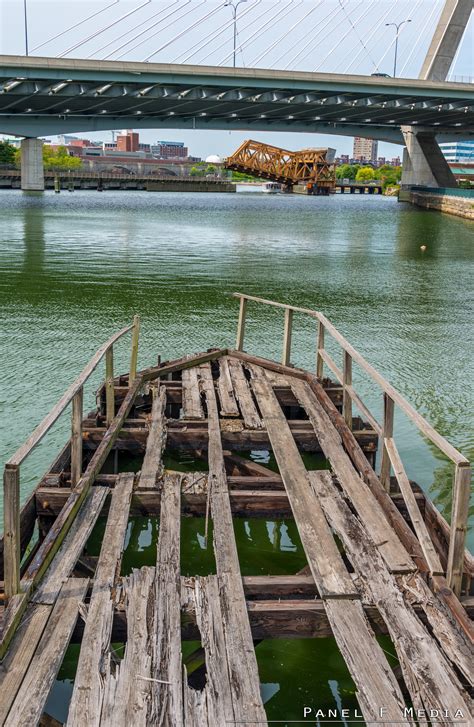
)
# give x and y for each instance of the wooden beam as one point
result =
(192, 407)
(228, 404)
(88, 692)
(134, 350)
(347, 382)
(152, 467)
(76, 437)
(286, 355)
(319, 358)
(109, 386)
(11, 489)
(241, 324)
(387, 433)
(459, 523)
(250, 415)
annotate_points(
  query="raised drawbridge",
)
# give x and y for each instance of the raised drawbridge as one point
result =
(313, 167)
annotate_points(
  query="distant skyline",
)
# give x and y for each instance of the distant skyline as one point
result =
(324, 35)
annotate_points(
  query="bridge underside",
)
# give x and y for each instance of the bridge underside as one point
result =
(42, 96)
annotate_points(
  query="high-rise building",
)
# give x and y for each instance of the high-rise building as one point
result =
(365, 149)
(458, 151)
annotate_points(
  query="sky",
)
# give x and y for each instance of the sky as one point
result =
(345, 36)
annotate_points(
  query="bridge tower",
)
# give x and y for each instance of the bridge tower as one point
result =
(423, 161)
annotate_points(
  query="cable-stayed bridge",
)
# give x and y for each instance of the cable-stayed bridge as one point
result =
(43, 96)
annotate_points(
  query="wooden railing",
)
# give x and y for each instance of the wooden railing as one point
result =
(74, 394)
(390, 455)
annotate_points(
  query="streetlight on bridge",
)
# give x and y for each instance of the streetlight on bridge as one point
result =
(397, 26)
(234, 4)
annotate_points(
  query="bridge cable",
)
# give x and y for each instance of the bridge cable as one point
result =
(287, 32)
(202, 42)
(348, 32)
(104, 29)
(130, 30)
(165, 27)
(360, 39)
(186, 30)
(390, 46)
(373, 31)
(258, 32)
(73, 27)
(252, 22)
(437, 7)
(331, 15)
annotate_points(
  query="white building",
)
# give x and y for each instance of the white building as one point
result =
(458, 151)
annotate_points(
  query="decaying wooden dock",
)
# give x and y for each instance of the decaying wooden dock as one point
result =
(380, 558)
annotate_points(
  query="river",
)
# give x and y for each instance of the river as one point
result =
(76, 267)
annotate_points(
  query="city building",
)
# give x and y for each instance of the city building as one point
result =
(458, 151)
(128, 141)
(169, 150)
(365, 149)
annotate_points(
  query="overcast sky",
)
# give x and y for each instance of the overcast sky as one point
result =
(348, 36)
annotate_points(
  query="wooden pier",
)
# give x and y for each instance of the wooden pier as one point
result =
(380, 557)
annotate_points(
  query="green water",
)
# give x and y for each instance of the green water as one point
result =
(76, 267)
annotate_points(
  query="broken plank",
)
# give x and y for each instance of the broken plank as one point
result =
(363, 500)
(31, 698)
(167, 669)
(428, 674)
(192, 406)
(87, 696)
(328, 569)
(152, 467)
(241, 659)
(243, 393)
(228, 404)
(72, 546)
(127, 690)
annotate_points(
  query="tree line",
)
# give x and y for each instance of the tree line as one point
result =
(389, 176)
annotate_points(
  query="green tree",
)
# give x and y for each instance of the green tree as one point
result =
(210, 169)
(7, 153)
(59, 158)
(346, 171)
(365, 174)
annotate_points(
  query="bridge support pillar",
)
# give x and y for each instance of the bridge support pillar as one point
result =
(423, 162)
(32, 172)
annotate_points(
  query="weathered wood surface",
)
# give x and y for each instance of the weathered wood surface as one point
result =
(88, 693)
(367, 506)
(152, 467)
(192, 406)
(250, 415)
(167, 669)
(429, 551)
(366, 661)
(72, 546)
(17, 660)
(44, 666)
(127, 689)
(228, 404)
(241, 660)
(428, 675)
(327, 567)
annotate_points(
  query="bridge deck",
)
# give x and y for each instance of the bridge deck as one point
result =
(366, 572)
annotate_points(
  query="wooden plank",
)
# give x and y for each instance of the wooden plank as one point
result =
(169, 367)
(428, 675)
(192, 407)
(459, 525)
(12, 547)
(367, 663)
(367, 506)
(109, 386)
(241, 324)
(134, 349)
(327, 567)
(167, 669)
(250, 415)
(152, 467)
(88, 693)
(76, 437)
(72, 546)
(286, 354)
(242, 663)
(127, 688)
(228, 404)
(33, 693)
(66, 398)
(18, 657)
(202, 596)
(432, 557)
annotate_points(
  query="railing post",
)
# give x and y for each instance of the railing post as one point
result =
(459, 518)
(347, 381)
(11, 559)
(109, 386)
(134, 352)
(286, 357)
(241, 325)
(387, 432)
(76, 437)
(319, 358)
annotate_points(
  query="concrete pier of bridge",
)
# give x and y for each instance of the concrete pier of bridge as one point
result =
(32, 169)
